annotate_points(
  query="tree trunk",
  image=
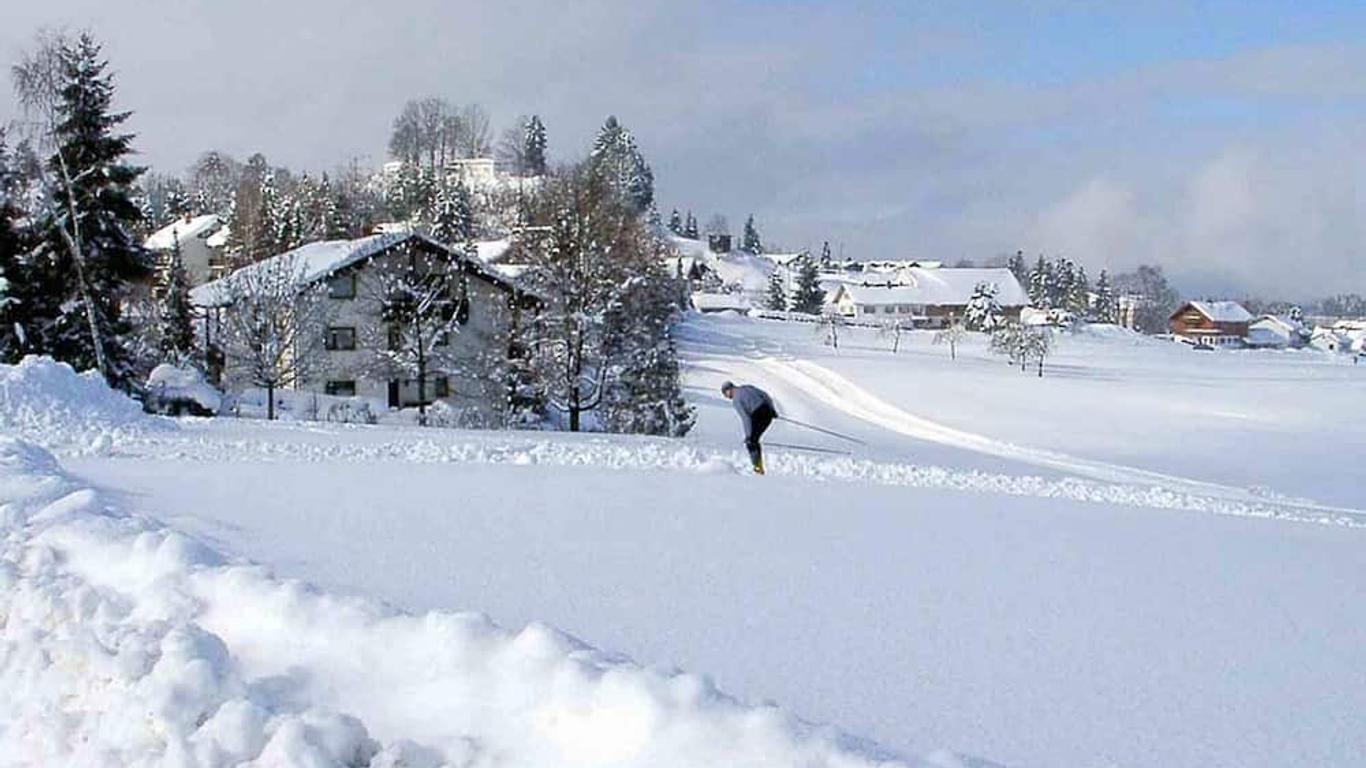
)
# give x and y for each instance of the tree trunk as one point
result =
(270, 402)
(1041, 366)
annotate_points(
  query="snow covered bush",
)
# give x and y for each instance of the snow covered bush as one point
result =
(351, 412)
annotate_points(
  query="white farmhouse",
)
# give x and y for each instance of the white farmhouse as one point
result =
(927, 296)
(196, 236)
(1275, 332)
(490, 308)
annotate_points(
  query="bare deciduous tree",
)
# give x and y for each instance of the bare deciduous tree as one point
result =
(421, 298)
(951, 335)
(274, 326)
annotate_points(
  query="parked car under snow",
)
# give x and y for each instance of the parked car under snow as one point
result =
(180, 391)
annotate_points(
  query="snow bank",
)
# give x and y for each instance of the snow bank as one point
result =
(48, 403)
(122, 642)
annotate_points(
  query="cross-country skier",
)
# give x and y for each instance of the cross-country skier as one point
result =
(756, 413)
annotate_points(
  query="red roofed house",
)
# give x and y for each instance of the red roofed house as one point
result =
(1217, 323)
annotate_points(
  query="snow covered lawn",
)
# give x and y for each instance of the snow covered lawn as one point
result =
(952, 584)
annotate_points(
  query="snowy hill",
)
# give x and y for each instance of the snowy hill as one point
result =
(1152, 556)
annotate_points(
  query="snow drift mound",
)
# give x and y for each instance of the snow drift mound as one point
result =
(124, 643)
(47, 402)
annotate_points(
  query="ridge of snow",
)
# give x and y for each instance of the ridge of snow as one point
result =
(47, 402)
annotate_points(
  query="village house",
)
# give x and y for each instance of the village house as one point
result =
(1275, 332)
(489, 309)
(1212, 323)
(197, 237)
(926, 296)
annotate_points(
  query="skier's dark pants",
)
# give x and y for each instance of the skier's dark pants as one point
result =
(758, 424)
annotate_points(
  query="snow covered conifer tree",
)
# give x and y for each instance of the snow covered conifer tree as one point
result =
(983, 312)
(690, 228)
(676, 223)
(808, 296)
(452, 217)
(1106, 310)
(534, 147)
(1016, 265)
(1040, 282)
(749, 239)
(90, 254)
(825, 255)
(775, 296)
(616, 159)
(175, 334)
(1079, 294)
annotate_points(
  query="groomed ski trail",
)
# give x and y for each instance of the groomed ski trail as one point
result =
(837, 392)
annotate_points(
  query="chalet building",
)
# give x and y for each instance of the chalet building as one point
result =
(927, 296)
(1216, 323)
(489, 309)
(200, 248)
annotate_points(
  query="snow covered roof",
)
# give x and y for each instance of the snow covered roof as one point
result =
(1222, 311)
(183, 229)
(940, 287)
(492, 251)
(219, 239)
(321, 259)
(1283, 324)
(784, 259)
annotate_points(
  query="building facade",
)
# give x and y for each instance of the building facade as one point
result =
(463, 365)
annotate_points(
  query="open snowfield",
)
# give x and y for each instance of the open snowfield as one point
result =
(1152, 556)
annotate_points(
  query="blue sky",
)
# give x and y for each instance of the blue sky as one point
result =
(1218, 139)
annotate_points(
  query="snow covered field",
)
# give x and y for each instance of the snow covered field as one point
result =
(1153, 556)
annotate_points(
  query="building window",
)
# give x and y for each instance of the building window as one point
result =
(869, 310)
(342, 286)
(904, 309)
(442, 339)
(341, 338)
(441, 387)
(341, 388)
(889, 309)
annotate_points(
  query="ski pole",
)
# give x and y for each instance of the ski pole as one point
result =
(822, 430)
(810, 448)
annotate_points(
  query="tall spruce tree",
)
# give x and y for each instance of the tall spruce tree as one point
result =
(690, 228)
(1106, 310)
(174, 315)
(749, 239)
(534, 146)
(617, 160)
(807, 295)
(775, 297)
(89, 245)
(1040, 280)
(452, 217)
(825, 255)
(1018, 268)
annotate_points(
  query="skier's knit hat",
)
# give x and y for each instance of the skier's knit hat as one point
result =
(727, 386)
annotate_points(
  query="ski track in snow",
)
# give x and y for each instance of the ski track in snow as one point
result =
(290, 443)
